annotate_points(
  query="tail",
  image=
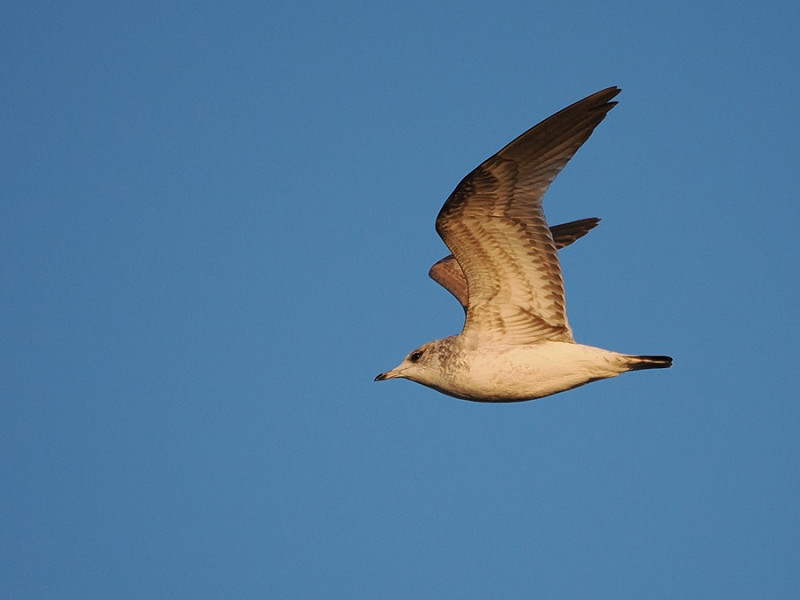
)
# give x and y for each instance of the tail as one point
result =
(637, 363)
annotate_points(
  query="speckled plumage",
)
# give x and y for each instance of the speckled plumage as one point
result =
(516, 343)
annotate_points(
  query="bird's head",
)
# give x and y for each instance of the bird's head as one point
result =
(422, 365)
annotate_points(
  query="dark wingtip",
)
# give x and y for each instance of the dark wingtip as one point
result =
(606, 96)
(380, 377)
(566, 233)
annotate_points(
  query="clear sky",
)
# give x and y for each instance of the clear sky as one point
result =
(216, 221)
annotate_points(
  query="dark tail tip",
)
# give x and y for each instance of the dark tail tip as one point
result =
(637, 363)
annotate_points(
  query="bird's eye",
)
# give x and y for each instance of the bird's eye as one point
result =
(415, 356)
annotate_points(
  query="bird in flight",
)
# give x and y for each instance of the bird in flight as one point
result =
(516, 343)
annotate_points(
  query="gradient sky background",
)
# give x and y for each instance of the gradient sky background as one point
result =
(216, 224)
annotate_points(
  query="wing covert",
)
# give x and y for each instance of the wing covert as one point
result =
(447, 272)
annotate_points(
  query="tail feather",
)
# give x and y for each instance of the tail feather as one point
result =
(637, 363)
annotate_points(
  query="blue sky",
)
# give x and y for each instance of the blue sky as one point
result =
(216, 224)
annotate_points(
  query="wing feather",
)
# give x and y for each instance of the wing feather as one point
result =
(494, 225)
(447, 272)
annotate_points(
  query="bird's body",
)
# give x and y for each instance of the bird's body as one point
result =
(516, 343)
(512, 372)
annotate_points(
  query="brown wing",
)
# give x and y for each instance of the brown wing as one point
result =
(449, 275)
(566, 233)
(495, 227)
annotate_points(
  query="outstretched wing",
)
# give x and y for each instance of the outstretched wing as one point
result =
(447, 272)
(494, 225)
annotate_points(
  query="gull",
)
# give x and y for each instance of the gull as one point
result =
(516, 343)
